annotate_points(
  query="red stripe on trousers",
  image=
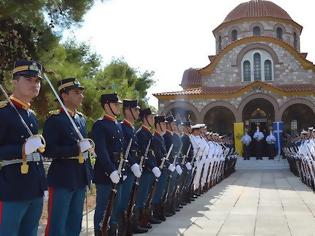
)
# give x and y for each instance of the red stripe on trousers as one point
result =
(1, 205)
(50, 206)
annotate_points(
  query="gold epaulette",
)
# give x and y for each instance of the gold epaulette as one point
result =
(54, 112)
(3, 104)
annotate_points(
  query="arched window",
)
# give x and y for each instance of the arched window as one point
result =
(246, 71)
(268, 70)
(234, 35)
(220, 43)
(256, 31)
(295, 40)
(257, 66)
(279, 33)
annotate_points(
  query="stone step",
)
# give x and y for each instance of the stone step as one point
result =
(264, 164)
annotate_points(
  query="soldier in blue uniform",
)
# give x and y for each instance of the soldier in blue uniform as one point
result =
(170, 139)
(109, 141)
(22, 176)
(160, 152)
(70, 170)
(188, 153)
(150, 169)
(131, 112)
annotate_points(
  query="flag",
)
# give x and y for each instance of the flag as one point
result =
(238, 134)
(278, 133)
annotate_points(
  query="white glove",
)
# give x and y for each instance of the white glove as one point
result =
(114, 177)
(85, 145)
(136, 170)
(179, 169)
(32, 144)
(156, 171)
(171, 168)
(46, 196)
(188, 166)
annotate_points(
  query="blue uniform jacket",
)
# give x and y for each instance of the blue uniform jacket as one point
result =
(169, 140)
(144, 135)
(108, 137)
(61, 145)
(130, 132)
(15, 186)
(185, 145)
(159, 148)
(177, 146)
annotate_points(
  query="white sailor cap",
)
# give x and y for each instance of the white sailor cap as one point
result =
(196, 126)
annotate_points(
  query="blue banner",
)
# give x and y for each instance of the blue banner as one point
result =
(278, 133)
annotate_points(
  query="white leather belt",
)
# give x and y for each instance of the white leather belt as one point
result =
(33, 157)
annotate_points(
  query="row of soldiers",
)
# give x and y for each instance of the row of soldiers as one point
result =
(300, 153)
(141, 177)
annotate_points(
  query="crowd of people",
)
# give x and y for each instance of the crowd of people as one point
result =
(300, 152)
(141, 176)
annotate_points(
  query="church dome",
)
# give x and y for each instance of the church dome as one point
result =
(257, 8)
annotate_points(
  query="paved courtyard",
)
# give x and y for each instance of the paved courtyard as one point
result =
(253, 201)
(260, 198)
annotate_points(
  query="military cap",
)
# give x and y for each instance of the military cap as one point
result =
(109, 98)
(304, 132)
(159, 119)
(27, 68)
(69, 83)
(196, 126)
(130, 103)
(145, 112)
(186, 123)
(170, 119)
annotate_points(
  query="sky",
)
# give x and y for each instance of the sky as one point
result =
(170, 36)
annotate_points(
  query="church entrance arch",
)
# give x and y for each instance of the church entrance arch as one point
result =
(220, 120)
(258, 111)
(297, 117)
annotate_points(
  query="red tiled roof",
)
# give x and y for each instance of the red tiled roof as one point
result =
(191, 77)
(234, 89)
(257, 8)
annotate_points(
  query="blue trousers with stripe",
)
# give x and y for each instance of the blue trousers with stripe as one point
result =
(146, 182)
(160, 187)
(102, 197)
(126, 191)
(20, 218)
(65, 209)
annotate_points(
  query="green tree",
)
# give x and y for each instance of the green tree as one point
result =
(29, 27)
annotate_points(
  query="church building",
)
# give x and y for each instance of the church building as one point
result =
(257, 76)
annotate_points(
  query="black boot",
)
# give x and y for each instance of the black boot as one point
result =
(136, 228)
(113, 230)
(97, 233)
(161, 212)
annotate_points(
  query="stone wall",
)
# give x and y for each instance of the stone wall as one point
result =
(288, 70)
(268, 28)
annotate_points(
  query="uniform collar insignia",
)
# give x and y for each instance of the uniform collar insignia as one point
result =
(19, 103)
(72, 113)
(127, 122)
(110, 118)
(146, 128)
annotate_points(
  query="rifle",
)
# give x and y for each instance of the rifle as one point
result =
(147, 209)
(108, 210)
(134, 191)
(183, 178)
